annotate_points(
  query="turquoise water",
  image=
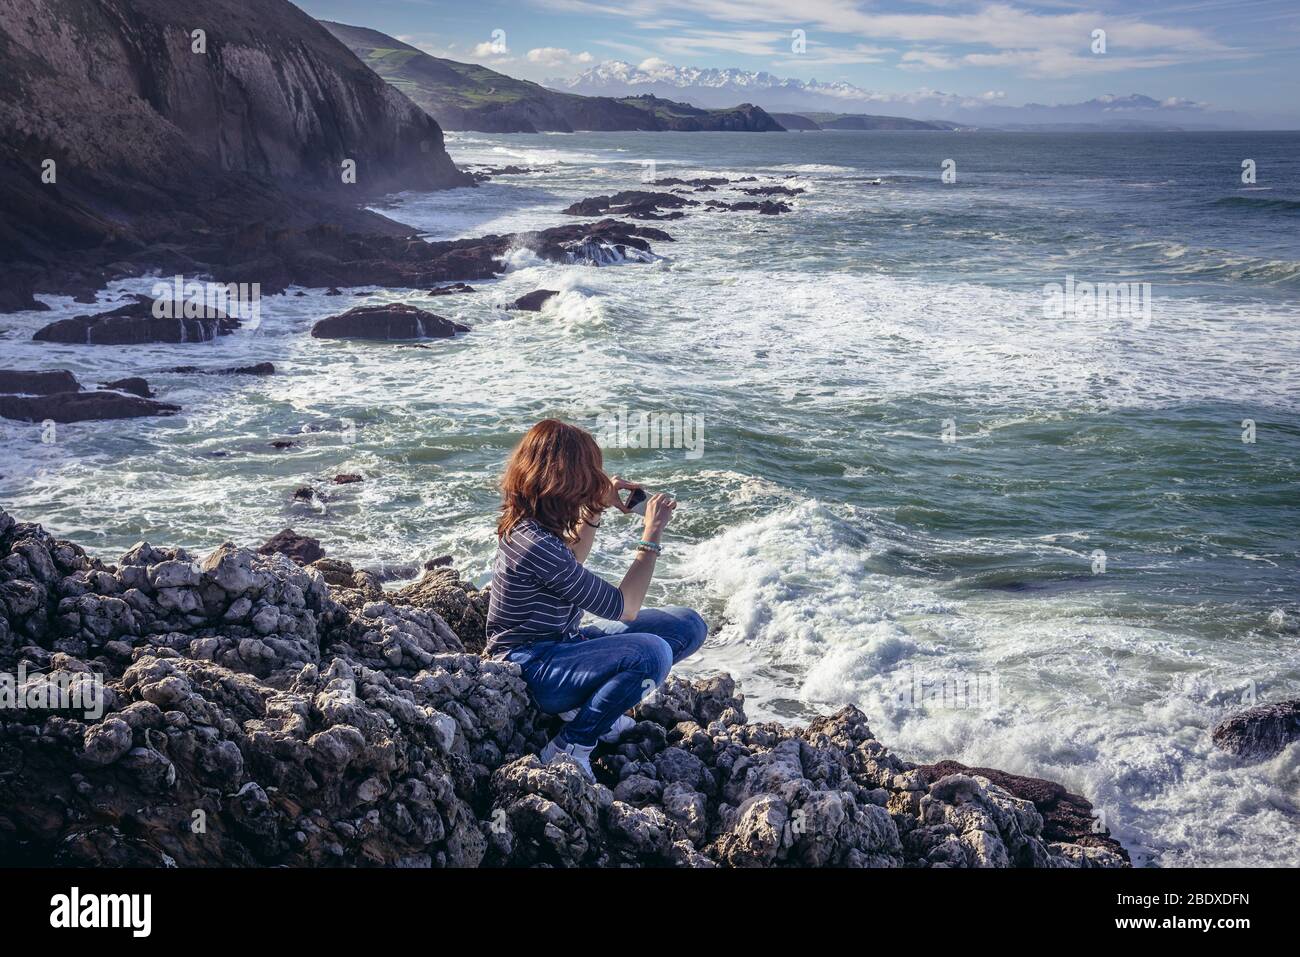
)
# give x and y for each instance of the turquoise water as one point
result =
(909, 476)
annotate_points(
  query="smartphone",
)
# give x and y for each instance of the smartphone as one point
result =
(636, 500)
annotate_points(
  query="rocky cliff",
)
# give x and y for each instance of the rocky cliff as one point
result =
(156, 132)
(241, 709)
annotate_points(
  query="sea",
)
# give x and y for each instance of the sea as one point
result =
(992, 435)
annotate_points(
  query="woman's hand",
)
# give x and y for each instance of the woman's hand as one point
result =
(616, 485)
(658, 513)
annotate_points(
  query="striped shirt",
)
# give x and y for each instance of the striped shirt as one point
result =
(540, 590)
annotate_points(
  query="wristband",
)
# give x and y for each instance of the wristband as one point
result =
(644, 546)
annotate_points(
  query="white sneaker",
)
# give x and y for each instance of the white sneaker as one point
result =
(576, 751)
(622, 725)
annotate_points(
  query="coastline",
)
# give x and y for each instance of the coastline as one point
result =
(261, 712)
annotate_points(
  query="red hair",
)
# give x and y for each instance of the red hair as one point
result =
(554, 475)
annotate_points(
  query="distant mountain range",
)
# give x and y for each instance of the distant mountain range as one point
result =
(783, 96)
(466, 96)
(856, 121)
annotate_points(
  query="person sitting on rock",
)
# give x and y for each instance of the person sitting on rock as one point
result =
(554, 492)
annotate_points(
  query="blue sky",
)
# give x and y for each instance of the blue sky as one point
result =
(1240, 55)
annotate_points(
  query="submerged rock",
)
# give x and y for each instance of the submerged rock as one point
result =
(260, 713)
(1259, 732)
(260, 368)
(396, 321)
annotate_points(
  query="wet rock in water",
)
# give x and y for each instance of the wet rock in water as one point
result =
(442, 561)
(773, 191)
(638, 204)
(346, 478)
(766, 208)
(700, 183)
(133, 385)
(303, 549)
(396, 321)
(81, 407)
(135, 323)
(304, 493)
(260, 368)
(454, 289)
(283, 444)
(1259, 732)
(318, 721)
(533, 301)
(18, 381)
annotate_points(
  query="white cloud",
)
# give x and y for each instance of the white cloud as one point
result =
(556, 57)
(927, 60)
(996, 34)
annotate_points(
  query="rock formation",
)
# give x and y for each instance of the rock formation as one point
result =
(393, 321)
(135, 323)
(178, 128)
(1259, 732)
(57, 396)
(252, 711)
(533, 301)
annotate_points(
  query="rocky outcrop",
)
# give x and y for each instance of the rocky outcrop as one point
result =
(81, 407)
(323, 257)
(637, 204)
(167, 150)
(1259, 732)
(766, 208)
(133, 385)
(25, 382)
(258, 369)
(533, 301)
(1067, 817)
(394, 321)
(135, 323)
(252, 711)
(302, 549)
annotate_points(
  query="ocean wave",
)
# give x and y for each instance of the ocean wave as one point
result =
(1276, 204)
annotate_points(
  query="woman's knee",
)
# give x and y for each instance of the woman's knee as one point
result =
(695, 629)
(653, 657)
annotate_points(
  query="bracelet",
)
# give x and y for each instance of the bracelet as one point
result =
(644, 546)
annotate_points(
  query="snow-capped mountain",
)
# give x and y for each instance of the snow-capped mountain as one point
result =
(710, 86)
(714, 87)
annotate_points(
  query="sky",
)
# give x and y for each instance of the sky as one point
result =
(1234, 55)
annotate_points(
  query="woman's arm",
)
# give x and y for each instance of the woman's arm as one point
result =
(658, 513)
(591, 521)
(586, 535)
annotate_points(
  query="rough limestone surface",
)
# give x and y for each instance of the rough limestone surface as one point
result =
(258, 712)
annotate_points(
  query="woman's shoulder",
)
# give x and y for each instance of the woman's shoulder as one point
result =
(530, 534)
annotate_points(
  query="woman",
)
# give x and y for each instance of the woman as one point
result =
(553, 495)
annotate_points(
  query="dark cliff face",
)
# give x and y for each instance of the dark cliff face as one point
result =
(152, 138)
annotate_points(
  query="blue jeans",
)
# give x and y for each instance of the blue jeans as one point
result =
(607, 668)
